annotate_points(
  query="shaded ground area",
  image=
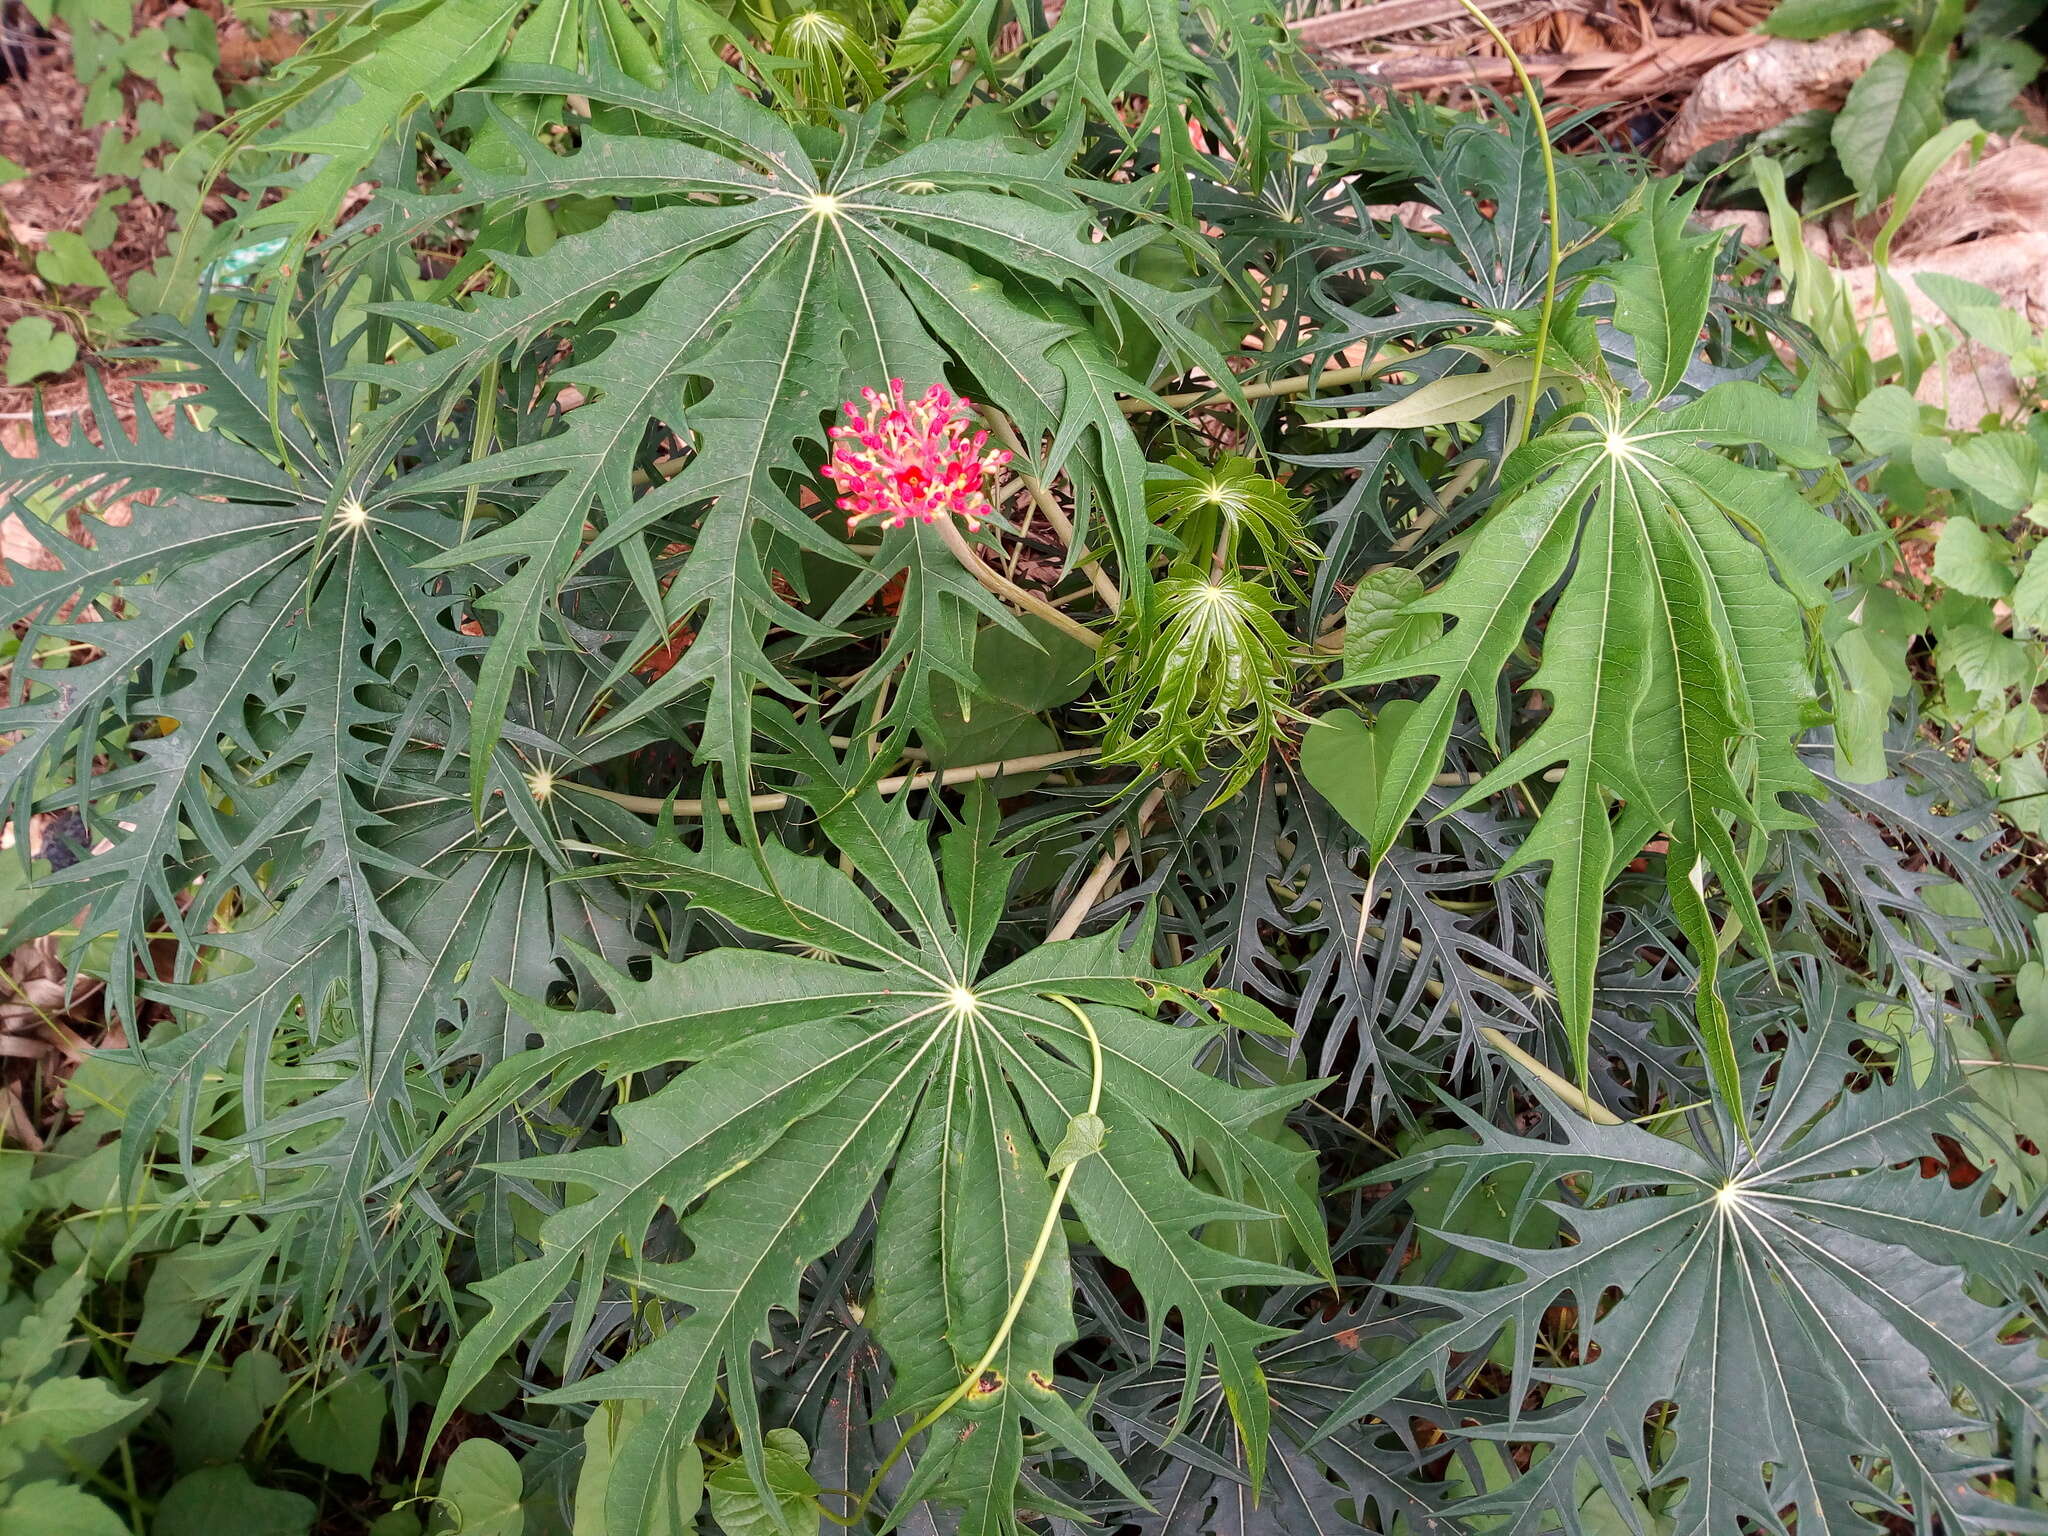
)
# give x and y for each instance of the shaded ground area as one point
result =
(45, 130)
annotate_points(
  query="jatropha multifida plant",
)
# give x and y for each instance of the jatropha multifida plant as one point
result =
(967, 797)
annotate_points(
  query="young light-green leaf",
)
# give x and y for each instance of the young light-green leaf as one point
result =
(1662, 284)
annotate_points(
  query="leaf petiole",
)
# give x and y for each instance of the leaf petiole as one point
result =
(1549, 154)
(1067, 1159)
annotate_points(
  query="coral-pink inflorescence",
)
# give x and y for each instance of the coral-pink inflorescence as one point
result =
(903, 459)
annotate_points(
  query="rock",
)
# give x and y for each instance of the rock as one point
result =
(1763, 86)
(1754, 223)
(1975, 382)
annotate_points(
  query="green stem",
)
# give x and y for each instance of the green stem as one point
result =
(1550, 192)
(1520, 431)
(1029, 602)
(1588, 1106)
(1048, 506)
(1015, 1310)
(775, 800)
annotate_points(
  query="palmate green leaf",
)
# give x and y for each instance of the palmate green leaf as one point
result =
(1794, 1296)
(425, 54)
(1198, 1481)
(1398, 1001)
(1228, 504)
(1873, 869)
(1218, 66)
(1482, 176)
(895, 1055)
(202, 614)
(269, 710)
(1103, 50)
(764, 289)
(1675, 661)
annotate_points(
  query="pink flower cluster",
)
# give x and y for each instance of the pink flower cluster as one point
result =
(906, 459)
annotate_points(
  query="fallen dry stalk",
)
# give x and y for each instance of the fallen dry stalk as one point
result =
(775, 800)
